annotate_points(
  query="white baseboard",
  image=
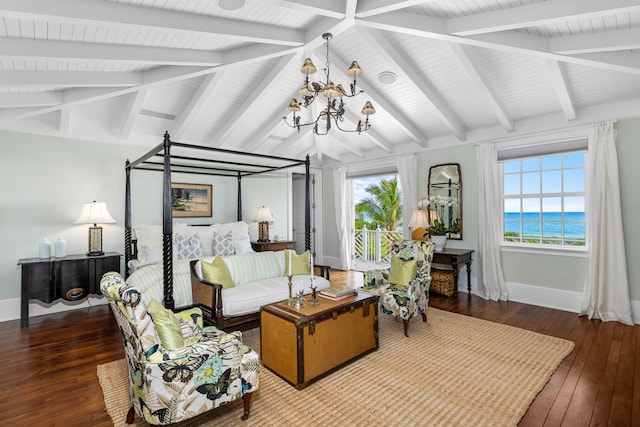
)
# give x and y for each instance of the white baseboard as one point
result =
(10, 308)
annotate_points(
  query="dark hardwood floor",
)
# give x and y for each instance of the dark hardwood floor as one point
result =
(48, 374)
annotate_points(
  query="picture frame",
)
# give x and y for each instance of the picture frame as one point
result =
(191, 200)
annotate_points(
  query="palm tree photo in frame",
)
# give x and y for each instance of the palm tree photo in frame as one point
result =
(191, 200)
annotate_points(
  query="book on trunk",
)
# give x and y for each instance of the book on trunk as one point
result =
(338, 292)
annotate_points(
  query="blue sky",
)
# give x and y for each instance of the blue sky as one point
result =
(359, 185)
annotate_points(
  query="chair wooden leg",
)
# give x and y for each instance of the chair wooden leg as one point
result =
(405, 323)
(246, 400)
(130, 415)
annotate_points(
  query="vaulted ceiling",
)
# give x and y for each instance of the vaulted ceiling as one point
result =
(126, 71)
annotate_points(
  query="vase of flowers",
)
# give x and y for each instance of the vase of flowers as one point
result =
(438, 233)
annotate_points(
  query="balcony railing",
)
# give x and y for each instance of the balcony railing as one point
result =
(374, 245)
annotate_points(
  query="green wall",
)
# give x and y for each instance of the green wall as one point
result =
(535, 269)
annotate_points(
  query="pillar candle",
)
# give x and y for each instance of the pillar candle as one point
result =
(289, 263)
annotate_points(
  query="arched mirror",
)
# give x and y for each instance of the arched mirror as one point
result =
(445, 197)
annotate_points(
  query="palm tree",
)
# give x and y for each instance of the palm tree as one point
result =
(384, 206)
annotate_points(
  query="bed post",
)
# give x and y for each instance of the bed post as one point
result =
(307, 207)
(239, 208)
(167, 227)
(127, 218)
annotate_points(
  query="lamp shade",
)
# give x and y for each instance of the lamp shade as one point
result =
(263, 214)
(95, 213)
(419, 220)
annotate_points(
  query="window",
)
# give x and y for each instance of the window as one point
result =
(544, 199)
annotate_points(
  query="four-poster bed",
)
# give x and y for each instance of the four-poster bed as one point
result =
(204, 164)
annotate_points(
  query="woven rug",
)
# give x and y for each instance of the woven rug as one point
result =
(453, 371)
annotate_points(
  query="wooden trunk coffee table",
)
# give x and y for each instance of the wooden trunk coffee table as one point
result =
(305, 344)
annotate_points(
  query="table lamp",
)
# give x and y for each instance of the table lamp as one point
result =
(419, 222)
(95, 213)
(263, 218)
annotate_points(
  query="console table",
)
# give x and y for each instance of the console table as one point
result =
(452, 259)
(71, 278)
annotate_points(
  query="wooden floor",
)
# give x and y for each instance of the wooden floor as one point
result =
(48, 373)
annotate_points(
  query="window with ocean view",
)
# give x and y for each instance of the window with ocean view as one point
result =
(544, 199)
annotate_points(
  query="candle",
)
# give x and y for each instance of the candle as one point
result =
(311, 260)
(289, 263)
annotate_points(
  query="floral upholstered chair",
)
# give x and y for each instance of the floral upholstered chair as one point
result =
(404, 288)
(177, 374)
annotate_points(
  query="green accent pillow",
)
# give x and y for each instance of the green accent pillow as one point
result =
(401, 271)
(300, 264)
(217, 272)
(167, 325)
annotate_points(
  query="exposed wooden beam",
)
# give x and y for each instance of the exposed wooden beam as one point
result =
(221, 134)
(480, 82)
(329, 8)
(65, 120)
(376, 7)
(186, 116)
(102, 52)
(560, 84)
(35, 99)
(128, 15)
(68, 78)
(131, 113)
(418, 82)
(533, 14)
(608, 41)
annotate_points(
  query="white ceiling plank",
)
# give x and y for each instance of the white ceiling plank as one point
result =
(377, 98)
(628, 60)
(480, 82)
(513, 42)
(329, 8)
(68, 78)
(55, 49)
(267, 127)
(221, 135)
(36, 99)
(184, 119)
(338, 137)
(608, 41)
(371, 134)
(288, 145)
(560, 84)
(534, 14)
(419, 82)
(132, 112)
(64, 121)
(368, 8)
(95, 11)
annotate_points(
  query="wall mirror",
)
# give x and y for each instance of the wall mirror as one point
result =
(445, 197)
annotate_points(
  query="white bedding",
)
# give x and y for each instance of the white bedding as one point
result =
(150, 280)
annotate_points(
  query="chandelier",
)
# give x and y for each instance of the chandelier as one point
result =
(334, 94)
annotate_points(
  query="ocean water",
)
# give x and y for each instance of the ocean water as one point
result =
(574, 225)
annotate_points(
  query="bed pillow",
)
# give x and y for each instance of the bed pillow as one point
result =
(217, 272)
(206, 237)
(151, 235)
(402, 272)
(223, 244)
(300, 264)
(149, 255)
(188, 248)
(243, 246)
(167, 325)
(239, 229)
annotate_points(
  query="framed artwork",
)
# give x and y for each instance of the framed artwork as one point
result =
(191, 200)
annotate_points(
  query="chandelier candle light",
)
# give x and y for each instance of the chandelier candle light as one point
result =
(334, 110)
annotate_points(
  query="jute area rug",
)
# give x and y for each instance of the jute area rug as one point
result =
(453, 371)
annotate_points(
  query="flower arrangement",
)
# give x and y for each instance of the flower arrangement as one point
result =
(437, 228)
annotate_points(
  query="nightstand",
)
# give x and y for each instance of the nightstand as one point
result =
(273, 245)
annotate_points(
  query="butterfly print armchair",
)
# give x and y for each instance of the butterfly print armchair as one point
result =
(410, 299)
(212, 368)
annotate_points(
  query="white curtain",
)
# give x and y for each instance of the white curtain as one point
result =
(606, 288)
(490, 280)
(340, 194)
(408, 175)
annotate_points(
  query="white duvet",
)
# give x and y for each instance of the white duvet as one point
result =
(150, 280)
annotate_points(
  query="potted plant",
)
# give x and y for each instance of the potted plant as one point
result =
(438, 233)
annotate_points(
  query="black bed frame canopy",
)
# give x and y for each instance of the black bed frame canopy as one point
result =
(161, 159)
